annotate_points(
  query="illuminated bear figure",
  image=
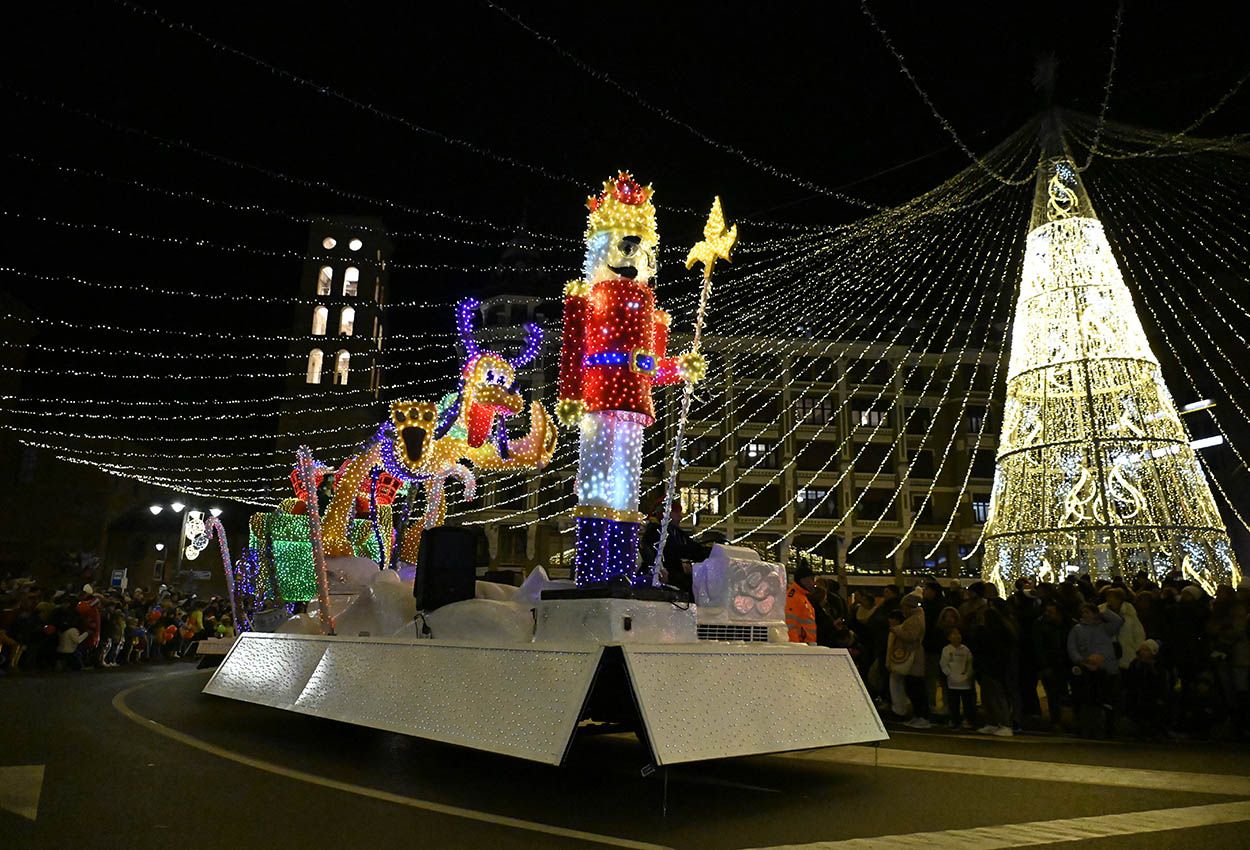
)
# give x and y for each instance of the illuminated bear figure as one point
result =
(612, 352)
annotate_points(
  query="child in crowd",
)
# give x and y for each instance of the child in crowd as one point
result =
(1148, 687)
(67, 654)
(956, 664)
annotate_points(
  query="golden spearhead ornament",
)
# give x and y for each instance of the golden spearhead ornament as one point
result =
(717, 241)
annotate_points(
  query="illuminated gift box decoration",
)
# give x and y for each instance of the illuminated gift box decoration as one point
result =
(285, 554)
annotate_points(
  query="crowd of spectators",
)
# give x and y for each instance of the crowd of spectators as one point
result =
(76, 627)
(1100, 658)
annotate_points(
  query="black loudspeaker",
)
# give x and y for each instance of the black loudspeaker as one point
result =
(447, 565)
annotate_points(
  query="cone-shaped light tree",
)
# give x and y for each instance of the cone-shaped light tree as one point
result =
(1094, 470)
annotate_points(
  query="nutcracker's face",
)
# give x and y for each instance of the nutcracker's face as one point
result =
(615, 253)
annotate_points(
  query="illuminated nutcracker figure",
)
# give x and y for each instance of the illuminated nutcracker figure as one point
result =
(613, 351)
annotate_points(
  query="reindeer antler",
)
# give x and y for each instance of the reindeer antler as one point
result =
(466, 312)
(533, 341)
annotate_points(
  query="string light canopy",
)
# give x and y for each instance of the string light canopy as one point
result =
(899, 279)
(1095, 471)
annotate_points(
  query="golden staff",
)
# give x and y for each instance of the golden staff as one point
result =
(716, 245)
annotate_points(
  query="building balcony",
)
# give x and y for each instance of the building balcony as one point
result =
(861, 526)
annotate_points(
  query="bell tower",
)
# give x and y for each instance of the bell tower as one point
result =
(337, 336)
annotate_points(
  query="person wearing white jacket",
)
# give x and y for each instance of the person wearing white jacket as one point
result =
(1132, 633)
(956, 664)
(67, 648)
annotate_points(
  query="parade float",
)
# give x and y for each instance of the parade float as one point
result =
(518, 670)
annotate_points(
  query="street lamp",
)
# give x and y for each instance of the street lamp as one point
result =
(155, 509)
(176, 507)
(160, 547)
(216, 512)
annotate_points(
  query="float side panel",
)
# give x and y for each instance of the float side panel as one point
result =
(514, 700)
(265, 671)
(711, 702)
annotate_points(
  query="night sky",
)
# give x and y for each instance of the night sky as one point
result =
(463, 114)
(807, 88)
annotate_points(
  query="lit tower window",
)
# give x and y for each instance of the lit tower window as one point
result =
(355, 245)
(320, 316)
(351, 278)
(329, 242)
(324, 278)
(314, 366)
(342, 362)
(346, 319)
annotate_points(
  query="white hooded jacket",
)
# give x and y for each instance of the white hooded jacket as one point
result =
(1132, 633)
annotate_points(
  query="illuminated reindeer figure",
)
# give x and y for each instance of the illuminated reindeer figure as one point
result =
(425, 443)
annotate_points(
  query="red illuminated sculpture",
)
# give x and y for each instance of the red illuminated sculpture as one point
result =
(613, 350)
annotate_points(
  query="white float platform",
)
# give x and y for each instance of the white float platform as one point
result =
(695, 701)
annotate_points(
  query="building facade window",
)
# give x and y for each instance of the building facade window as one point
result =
(351, 280)
(921, 462)
(871, 457)
(758, 500)
(917, 379)
(759, 454)
(980, 507)
(699, 500)
(811, 369)
(513, 545)
(329, 242)
(320, 315)
(976, 419)
(347, 318)
(817, 455)
(918, 420)
(342, 363)
(868, 372)
(870, 418)
(816, 411)
(983, 464)
(922, 510)
(702, 451)
(354, 245)
(758, 367)
(876, 504)
(817, 502)
(763, 407)
(325, 278)
(314, 366)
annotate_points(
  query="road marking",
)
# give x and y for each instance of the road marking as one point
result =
(1036, 833)
(119, 703)
(1125, 777)
(20, 787)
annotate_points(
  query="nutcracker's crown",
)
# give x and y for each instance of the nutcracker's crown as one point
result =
(624, 204)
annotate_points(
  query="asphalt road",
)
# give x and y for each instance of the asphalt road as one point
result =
(139, 758)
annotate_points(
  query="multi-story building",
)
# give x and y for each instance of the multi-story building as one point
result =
(794, 450)
(338, 327)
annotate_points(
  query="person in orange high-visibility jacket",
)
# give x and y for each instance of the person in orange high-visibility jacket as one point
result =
(800, 615)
